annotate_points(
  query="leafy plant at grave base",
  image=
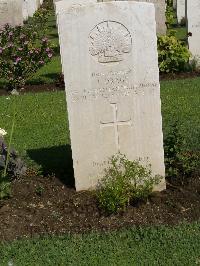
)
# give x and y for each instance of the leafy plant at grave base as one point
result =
(173, 55)
(21, 55)
(180, 164)
(124, 181)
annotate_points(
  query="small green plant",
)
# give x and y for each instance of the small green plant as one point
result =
(39, 190)
(5, 187)
(180, 163)
(124, 181)
(169, 16)
(173, 55)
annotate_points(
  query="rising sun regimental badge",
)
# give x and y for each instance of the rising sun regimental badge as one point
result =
(109, 41)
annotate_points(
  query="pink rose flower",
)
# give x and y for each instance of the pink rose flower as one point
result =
(18, 59)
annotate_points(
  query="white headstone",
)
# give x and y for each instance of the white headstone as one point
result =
(160, 7)
(11, 12)
(193, 22)
(180, 10)
(109, 54)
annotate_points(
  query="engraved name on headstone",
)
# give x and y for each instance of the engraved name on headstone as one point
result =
(109, 57)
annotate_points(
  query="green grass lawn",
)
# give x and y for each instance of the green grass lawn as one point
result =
(181, 33)
(181, 102)
(142, 246)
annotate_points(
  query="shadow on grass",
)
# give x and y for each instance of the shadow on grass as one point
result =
(55, 160)
(53, 76)
(52, 24)
(53, 35)
(35, 81)
(52, 79)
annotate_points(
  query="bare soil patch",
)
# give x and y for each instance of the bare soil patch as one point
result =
(41, 205)
(181, 75)
(36, 88)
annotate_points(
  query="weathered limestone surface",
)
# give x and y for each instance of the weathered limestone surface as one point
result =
(193, 22)
(180, 10)
(67, 5)
(160, 7)
(109, 57)
(11, 12)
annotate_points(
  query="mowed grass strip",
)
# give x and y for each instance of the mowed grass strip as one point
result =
(137, 246)
(41, 120)
(181, 102)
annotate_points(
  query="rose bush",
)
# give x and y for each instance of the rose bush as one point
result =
(21, 55)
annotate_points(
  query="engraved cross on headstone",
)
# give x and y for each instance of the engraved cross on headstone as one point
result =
(116, 123)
